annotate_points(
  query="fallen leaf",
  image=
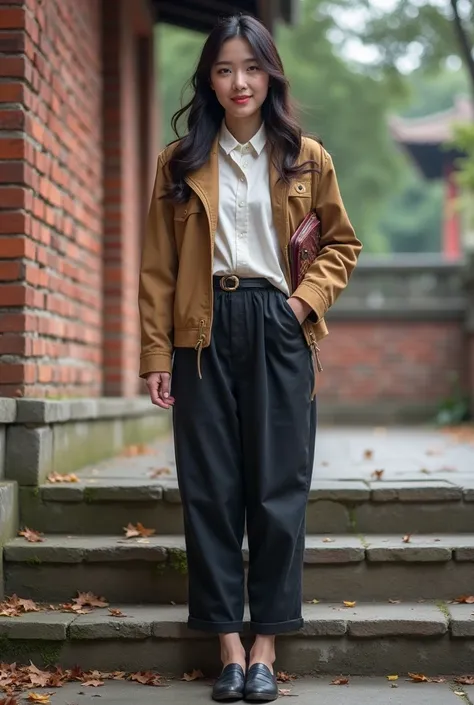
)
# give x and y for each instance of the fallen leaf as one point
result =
(194, 675)
(464, 680)
(30, 535)
(465, 599)
(118, 675)
(284, 691)
(85, 599)
(394, 602)
(39, 697)
(95, 683)
(459, 692)
(284, 677)
(368, 454)
(139, 449)
(378, 474)
(28, 605)
(314, 602)
(160, 472)
(132, 531)
(9, 700)
(328, 540)
(419, 677)
(407, 538)
(340, 681)
(392, 678)
(57, 477)
(349, 604)
(116, 613)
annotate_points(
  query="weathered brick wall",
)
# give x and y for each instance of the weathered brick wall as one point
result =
(50, 198)
(398, 344)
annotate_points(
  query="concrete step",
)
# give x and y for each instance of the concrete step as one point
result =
(153, 570)
(369, 639)
(104, 506)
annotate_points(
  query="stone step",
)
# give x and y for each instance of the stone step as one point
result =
(99, 506)
(153, 570)
(369, 639)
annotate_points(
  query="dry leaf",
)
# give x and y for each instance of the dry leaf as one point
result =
(378, 474)
(160, 472)
(28, 605)
(419, 677)
(459, 692)
(95, 683)
(116, 613)
(328, 540)
(30, 535)
(349, 604)
(85, 599)
(284, 677)
(368, 454)
(340, 681)
(118, 675)
(194, 675)
(39, 697)
(465, 599)
(407, 538)
(57, 477)
(395, 602)
(9, 700)
(139, 449)
(464, 680)
(284, 691)
(392, 678)
(132, 531)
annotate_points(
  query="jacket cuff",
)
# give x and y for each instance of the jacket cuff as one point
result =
(155, 362)
(313, 298)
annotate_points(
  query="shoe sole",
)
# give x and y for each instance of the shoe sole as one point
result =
(260, 697)
(228, 697)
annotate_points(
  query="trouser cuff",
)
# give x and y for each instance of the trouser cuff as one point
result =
(276, 627)
(215, 627)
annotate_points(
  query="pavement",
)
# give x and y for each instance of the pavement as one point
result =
(309, 691)
(403, 453)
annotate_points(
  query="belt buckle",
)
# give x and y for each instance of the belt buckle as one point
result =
(227, 287)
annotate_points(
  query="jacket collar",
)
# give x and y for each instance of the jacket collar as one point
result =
(205, 183)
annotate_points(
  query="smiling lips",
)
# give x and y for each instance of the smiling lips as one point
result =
(241, 99)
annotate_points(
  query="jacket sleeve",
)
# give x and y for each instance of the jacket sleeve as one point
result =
(328, 275)
(158, 272)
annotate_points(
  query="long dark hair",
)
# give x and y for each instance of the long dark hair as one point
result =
(206, 113)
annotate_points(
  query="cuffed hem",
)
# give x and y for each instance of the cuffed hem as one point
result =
(215, 627)
(155, 362)
(312, 297)
(277, 627)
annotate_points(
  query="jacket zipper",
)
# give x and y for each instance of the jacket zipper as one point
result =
(199, 344)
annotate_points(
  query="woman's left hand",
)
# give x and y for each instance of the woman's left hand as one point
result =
(300, 308)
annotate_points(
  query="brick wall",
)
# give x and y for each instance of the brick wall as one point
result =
(398, 343)
(50, 198)
(77, 137)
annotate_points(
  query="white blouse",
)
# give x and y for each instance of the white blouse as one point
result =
(246, 242)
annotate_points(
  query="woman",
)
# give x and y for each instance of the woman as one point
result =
(218, 312)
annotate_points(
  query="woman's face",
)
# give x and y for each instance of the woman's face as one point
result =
(240, 84)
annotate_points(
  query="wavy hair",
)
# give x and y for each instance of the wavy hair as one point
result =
(205, 113)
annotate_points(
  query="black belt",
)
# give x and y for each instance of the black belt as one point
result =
(232, 282)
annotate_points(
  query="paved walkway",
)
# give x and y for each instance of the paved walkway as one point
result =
(403, 453)
(310, 691)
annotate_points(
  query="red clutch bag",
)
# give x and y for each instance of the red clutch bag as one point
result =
(304, 247)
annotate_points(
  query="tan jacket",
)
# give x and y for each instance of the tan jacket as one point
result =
(176, 291)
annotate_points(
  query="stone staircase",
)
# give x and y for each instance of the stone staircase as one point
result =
(358, 549)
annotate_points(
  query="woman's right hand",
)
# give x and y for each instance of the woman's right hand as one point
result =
(158, 384)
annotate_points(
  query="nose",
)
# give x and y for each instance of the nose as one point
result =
(239, 80)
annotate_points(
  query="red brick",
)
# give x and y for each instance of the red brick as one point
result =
(12, 119)
(10, 271)
(11, 92)
(12, 42)
(12, 18)
(13, 197)
(17, 246)
(14, 223)
(13, 345)
(12, 148)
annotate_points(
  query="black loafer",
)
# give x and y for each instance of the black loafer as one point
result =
(261, 684)
(230, 684)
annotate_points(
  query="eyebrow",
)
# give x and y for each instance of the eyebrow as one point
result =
(221, 63)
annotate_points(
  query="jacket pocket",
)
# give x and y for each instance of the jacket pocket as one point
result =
(182, 211)
(300, 188)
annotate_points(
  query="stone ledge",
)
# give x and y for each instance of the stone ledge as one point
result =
(462, 620)
(44, 411)
(415, 491)
(339, 490)
(47, 626)
(7, 410)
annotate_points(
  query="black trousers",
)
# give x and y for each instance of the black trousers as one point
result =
(244, 441)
